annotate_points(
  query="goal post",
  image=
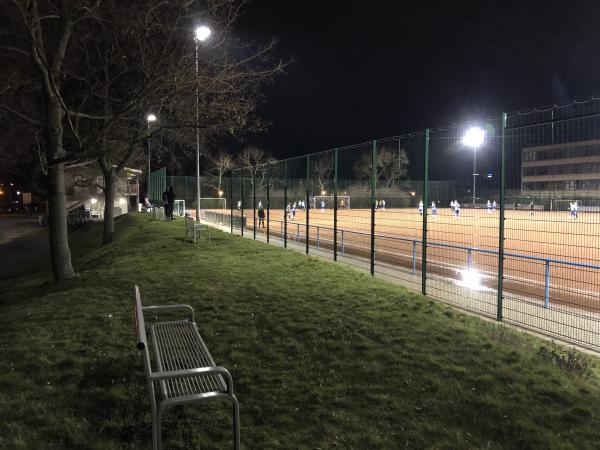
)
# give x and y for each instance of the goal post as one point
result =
(343, 201)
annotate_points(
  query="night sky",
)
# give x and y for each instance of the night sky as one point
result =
(374, 69)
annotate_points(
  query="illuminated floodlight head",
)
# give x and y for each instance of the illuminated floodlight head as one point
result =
(19, 193)
(151, 118)
(413, 193)
(473, 137)
(323, 192)
(220, 193)
(202, 33)
(471, 279)
(94, 201)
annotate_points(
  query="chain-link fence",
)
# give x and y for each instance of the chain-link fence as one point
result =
(499, 217)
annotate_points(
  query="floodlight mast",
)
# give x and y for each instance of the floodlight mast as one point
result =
(473, 138)
(201, 34)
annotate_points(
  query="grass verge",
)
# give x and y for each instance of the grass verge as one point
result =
(322, 356)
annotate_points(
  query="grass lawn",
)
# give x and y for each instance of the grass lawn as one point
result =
(322, 356)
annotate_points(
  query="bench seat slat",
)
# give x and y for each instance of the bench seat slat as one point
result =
(181, 347)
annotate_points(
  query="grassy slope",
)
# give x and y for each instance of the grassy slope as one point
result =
(322, 356)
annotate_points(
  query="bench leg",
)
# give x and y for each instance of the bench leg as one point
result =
(236, 423)
(156, 430)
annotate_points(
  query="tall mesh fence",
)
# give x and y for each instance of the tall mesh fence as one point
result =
(499, 217)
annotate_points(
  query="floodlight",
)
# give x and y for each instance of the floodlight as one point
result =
(151, 118)
(94, 201)
(202, 33)
(323, 192)
(220, 193)
(474, 137)
(18, 192)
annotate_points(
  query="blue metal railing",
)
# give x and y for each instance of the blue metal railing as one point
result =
(470, 252)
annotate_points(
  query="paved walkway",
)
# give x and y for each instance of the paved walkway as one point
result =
(23, 245)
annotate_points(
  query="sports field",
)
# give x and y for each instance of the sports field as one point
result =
(547, 253)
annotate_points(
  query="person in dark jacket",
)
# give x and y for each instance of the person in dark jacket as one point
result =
(169, 202)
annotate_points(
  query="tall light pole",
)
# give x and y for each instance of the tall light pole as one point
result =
(474, 138)
(149, 118)
(202, 33)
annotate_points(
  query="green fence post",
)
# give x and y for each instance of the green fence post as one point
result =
(242, 203)
(501, 224)
(425, 206)
(285, 201)
(254, 206)
(231, 200)
(373, 200)
(335, 201)
(306, 203)
(268, 197)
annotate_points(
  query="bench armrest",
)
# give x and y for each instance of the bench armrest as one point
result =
(174, 374)
(168, 307)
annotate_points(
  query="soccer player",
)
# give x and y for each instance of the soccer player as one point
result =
(433, 209)
(531, 207)
(322, 205)
(294, 211)
(494, 205)
(260, 205)
(489, 207)
(239, 205)
(452, 206)
(288, 210)
(456, 208)
(383, 204)
(421, 207)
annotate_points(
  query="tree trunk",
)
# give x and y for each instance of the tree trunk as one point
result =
(109, 205)
(57, 224)
(57, 206)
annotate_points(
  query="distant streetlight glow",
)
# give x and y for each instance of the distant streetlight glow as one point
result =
(18, 192)
(94, 201)
(323, 192)
(473, 138)
(151, 118)
(202, 33)
(220, 193)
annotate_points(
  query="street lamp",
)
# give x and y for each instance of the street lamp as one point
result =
(201, 34)
(149, 118)
(474, 138)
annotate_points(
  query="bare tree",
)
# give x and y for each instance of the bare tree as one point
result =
(85, 74)
(321, 169)
(219, 165)
(390, 166)
(37, 42)
(256, 160)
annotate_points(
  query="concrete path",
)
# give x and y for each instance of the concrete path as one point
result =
(23, 245)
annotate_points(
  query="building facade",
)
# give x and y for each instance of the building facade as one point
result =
(568, 171)
(84, 188)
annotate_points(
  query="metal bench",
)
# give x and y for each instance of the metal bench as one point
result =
(193, 229)
(185, 371)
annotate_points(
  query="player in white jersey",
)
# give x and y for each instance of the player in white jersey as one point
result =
(322, 205)
(456, 208)
(494, 205)
(489, 207)
(433, 209)
(383, 204)
(239, 204)
(452, 206)
(421, 207)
